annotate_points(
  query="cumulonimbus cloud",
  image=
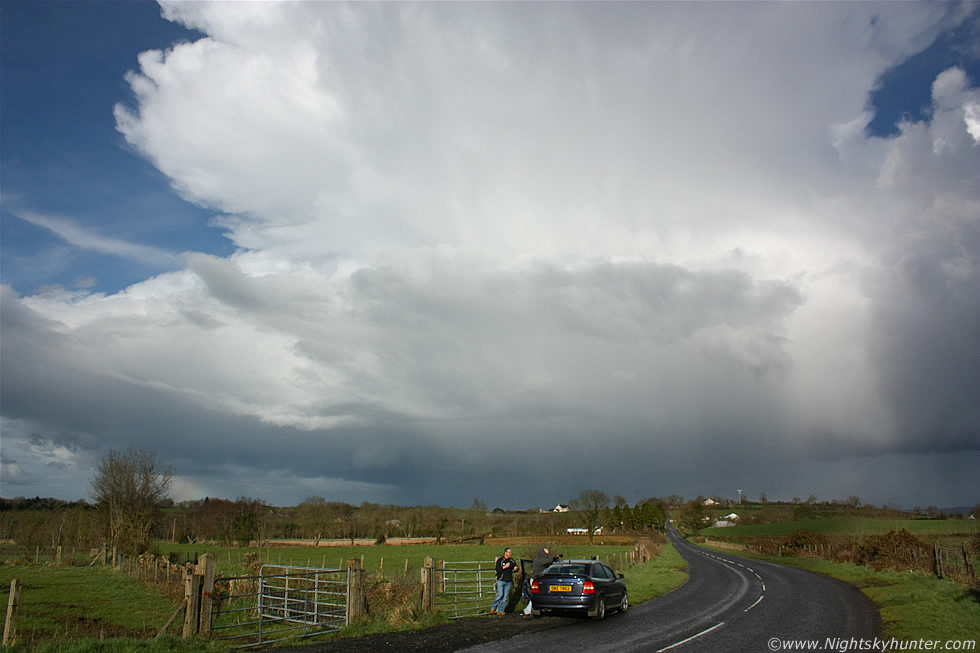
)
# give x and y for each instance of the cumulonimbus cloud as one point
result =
(465, 227)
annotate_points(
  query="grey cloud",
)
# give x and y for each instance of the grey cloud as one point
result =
(225, 281)
(512, 359)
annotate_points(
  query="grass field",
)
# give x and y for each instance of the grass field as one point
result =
(391, 560)
(83, 602)
(857, 527)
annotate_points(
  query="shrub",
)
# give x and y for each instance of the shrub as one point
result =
(894, 550)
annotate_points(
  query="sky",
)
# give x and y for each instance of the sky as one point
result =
(426, 253)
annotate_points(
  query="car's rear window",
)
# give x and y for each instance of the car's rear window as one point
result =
(561, 569)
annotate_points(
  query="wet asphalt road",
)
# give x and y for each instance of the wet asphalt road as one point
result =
(728, 604)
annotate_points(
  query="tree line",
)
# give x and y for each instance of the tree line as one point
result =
(131, 507)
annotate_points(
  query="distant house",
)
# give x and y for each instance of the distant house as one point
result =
(710, 502)
(561, 507)
(583, 531)
(731, 517)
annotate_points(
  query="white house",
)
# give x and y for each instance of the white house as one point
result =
(561, 507)
(710, 502)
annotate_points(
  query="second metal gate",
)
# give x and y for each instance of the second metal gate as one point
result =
(280, 602)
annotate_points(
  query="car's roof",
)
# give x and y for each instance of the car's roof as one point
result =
(576, 561)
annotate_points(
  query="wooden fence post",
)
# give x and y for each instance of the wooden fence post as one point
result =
(970, 573)
(429, 584)
(355, 590)
(192, 594)
(206, 568)
(57, 557)
(12, 603)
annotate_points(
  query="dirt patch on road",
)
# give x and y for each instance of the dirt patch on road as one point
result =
(454, 636)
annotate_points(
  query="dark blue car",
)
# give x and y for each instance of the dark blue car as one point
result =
(587, 587)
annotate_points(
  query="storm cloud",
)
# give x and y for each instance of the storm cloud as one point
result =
(650, 246)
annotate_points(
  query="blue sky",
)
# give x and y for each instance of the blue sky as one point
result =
(351, 245)
(62, 157)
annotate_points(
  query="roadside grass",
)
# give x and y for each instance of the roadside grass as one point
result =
(165, 644)
(857, 527)
(363, 627)
(656, 577)
(913, 606)
(70, 603)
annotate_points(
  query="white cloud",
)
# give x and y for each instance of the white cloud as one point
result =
(356, 131)
(466, 226)
(79, 237)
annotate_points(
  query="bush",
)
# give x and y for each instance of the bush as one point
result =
(803, 540)
(895, 550)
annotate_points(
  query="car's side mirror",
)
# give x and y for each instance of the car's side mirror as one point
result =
(620, 576)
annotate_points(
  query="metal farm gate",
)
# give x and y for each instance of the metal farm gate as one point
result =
(466, 588)
(281, 601)
(950, 562)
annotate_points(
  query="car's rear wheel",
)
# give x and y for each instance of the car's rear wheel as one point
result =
(600, 609)
(625, 605)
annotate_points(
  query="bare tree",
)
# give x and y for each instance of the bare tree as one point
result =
(589, 505)
(316, 515)
(128, 489)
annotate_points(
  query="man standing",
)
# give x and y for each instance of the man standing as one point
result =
(505, 578)
(541, 561)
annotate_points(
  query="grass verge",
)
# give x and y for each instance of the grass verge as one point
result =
(656, 577)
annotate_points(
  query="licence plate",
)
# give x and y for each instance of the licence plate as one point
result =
(559, 588)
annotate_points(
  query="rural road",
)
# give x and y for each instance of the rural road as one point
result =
(728, 604)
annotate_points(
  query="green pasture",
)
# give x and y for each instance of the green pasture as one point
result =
(78, 602)
(390, 560)
(855, 527)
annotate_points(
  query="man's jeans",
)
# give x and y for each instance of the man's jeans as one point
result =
(500, 601)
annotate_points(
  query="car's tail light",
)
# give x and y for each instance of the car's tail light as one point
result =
(588, 587)
(535, 586)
